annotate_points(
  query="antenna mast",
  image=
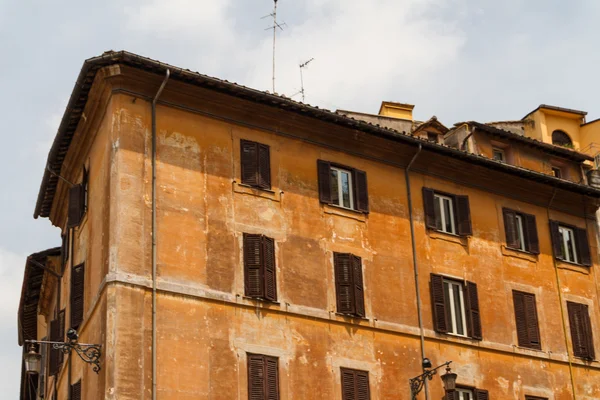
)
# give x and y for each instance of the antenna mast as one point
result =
(274, 27)
(301, 91)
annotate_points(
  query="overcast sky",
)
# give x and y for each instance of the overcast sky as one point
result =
(456, 59)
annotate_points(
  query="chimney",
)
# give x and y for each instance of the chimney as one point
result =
(396, 110)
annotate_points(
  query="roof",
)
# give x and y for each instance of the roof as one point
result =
(90, 67)
(433, 123)
(556, 108)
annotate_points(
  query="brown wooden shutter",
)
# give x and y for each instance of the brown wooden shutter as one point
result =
(77, 292)
(63, 250)
(473, 311)
(75, 211)
(249, 162)
(344, 285)
(359, 298)
(451, 395)
(84, 191)
(481, 394)
(324, 174)
(583, 247)
(61, 336)
(528, 334)
(463, 214)
(521, 319)
(362, 195)
(253, 266)
(264, 167)
(429, 208)
(532, 321)
(54, 337)
(256, 377)
(362, 385)
(556, 242)
(348, 384)
(581, 330)
(438, 303)
(269, 268)
(530, 228)
(355, 385)
(76, 390)
(510, 228)
(272, 375)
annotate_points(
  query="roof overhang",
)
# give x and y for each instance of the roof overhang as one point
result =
(559, 111)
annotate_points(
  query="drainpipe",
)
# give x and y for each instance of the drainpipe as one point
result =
(154, 100)
(415, 264)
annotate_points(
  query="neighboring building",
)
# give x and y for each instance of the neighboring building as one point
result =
(299, 253)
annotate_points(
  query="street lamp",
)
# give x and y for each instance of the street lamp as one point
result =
(89, 353)
(417, 383)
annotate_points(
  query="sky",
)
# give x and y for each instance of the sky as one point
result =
(483, 60)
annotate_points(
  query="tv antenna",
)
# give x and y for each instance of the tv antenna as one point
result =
(302, 66)
(274, 27)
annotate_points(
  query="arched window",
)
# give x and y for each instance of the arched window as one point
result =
(561, 139)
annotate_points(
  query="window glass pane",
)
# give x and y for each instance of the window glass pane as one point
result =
(447, 214)
(520, 236)
(449, 308)
(571, 246)
(458, 311)
(334, 184)
(345, 189)
(438, 212)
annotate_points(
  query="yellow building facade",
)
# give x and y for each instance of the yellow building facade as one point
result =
(240, 245)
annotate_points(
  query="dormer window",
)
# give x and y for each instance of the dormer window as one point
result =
(498, 154)
(557, 172)
(432, 137)
(560, 138)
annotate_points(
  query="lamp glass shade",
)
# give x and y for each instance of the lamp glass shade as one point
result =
(33, 362)
(449, 379)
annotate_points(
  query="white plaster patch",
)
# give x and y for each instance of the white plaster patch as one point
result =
(503, 383)
(178, 140)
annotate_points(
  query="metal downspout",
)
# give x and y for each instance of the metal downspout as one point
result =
(154, 100)
(414, 255)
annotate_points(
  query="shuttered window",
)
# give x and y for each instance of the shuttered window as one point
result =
(581, 330)
(570, 243)
(535, 398)
(455, 307)
(521, 231)
(355, 384)
(260, 280)
(76, 207)
(76, 390)
(467, 394)
(528, 332)
(349, 286)
(446, 212)
(57, 334)
(64, 249)
(343, 186)
(77, 291)
(263, 377)
(256, 164)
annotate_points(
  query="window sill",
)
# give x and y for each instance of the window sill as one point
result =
(351, 316)
(255, 191)
(521, 254)
(258, 300)
(459, 338)
(526, 349)
(448, 237)
(344, 212)
(571, 266)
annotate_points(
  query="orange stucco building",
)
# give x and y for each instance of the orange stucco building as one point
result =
(228, 243)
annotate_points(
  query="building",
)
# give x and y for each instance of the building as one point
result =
(225, 243)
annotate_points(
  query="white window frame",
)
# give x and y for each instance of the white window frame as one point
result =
(462, 392)
(340, 171)
(565, 233)
(450, 286)
(499, 151)
(443, 217)
(520, 232)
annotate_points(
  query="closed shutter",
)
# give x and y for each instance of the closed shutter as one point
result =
(84, 191)
(324, 174)
(526, 319)
(463, 214)
(61, 336)
(429, 208)
(581, 330)
(583, 247)
(362, 195)
(359, 298)
(362, 386)
(473, 311)
(249, 162)
(532, 322)
(438, 303)
(264, 167)
(481, 394)
(253, 266)
(63, 250)
(54, 337)
(272, 375)
(75, 206)
(533, 244)
(451, 395)
(269, 268)
(556, 240)
(256, 377)
(510, 228)
(344, 285)
(355, 385)
(76, 390)
(348, 389)
(77, 291)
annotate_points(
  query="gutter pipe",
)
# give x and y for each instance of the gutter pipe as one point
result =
(154, 100)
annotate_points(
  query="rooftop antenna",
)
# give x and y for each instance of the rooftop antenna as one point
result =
(302, 66)
(274, 27)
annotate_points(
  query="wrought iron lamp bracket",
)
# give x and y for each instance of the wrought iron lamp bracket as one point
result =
(417, 383)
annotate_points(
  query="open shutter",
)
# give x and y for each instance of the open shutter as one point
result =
(249, 162)
(76, 390)
(324, 174)
(451, 395)
(463, 214)
(253, 266)
(75, 210)
(272, 381)
(583, 247)
(256, 377)
(344, 286)
(510, 228)
(264, 167)
(348, 384)
(481, 394)
(533, 244)
(61, 336)
(359, 297)
(54, 337)
(361, 193)
(473, 311)
(556, 240)
(581, 330)
(429, 207)
(77, 291)
(363, 391)
(268, 258)
(438, 302)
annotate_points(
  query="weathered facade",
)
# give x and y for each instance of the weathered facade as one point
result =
(304, 254)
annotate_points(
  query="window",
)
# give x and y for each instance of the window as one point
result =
(259, 267)
(535, 398)
(556, 171)
(447, 212)
(78, 201)
(355, 384)
(77, 290)
(467, 394)
(76, 390)
(263, 377)
(581, 330)
(498, 154)
(455, 307)
(521, 231)
(256, 164)
(528, 332)
(343, 186)
(560, 138)
(349, 284)
(432, 137)
(570, 243)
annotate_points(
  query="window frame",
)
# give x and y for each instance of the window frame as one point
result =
(449, 286)
(266, 378)
(439, 198)
(461, 391)
(460, 212)
(557, 172)
(359, 191)
(340, 189)
(522, 228)
(501, 152)
(562, 229)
